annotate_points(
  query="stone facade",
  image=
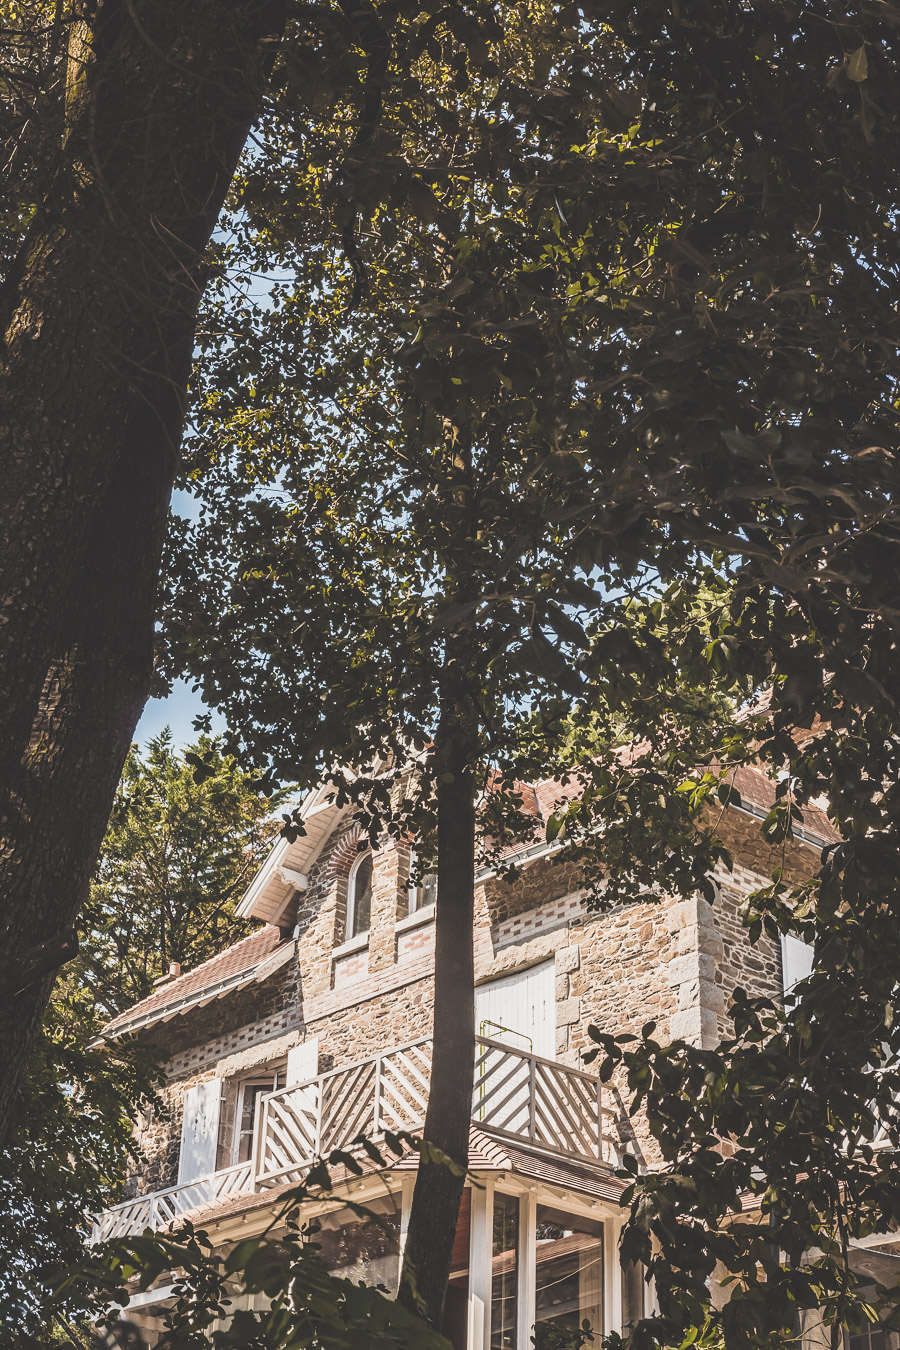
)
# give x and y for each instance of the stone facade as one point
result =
(673, 962)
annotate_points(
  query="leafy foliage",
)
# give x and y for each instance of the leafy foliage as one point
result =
(69, 1149)
(629, 323)
(272, 1292)
(187, 832)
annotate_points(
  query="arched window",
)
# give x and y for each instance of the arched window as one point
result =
(359, 896)
(422, 888)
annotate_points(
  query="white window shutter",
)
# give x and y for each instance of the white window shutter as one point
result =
(200, 1131)
(303, 1062)
(524, 1004)
(796, 963)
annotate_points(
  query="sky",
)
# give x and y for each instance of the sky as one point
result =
(182, 706)
(178, 712)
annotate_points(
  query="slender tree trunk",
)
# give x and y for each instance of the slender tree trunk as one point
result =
(98, 315)
(438, 1190)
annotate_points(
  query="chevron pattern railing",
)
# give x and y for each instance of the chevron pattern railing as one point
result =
(517, 1095)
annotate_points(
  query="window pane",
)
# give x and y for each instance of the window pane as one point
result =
(359, 1249)
(505, 1272)
(569, 1269)
(251, 1092)
(424, 891)
(871, 1336)
(362, 896)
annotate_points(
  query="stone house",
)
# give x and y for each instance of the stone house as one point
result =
(316, 1027)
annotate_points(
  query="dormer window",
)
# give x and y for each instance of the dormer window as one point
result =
(422, 887)
(359, 897)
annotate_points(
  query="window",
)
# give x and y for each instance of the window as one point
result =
(422, 887)
(871, 1336)
(359, 897)
(247, 1109)
(569, 1277)
(504, 1272)
(360, 1249)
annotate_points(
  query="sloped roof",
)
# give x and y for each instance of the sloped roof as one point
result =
(758, 791)
(288, 862)
(756, 788)
(254, 957)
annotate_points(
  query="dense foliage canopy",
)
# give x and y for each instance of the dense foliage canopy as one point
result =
(572, 369)
(188, 830)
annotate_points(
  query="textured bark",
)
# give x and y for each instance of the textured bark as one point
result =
(438, 1191)
(99, 315)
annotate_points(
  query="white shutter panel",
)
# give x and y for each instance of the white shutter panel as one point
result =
(200, 1131)
(796, 963)
(523, 1004)
(303, 1062)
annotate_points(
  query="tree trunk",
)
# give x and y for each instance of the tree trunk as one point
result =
(438, 1190)
(99, 314)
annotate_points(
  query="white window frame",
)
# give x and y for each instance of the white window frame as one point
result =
(480, 1260)
(266, 1072)
(416, 889)
(350, 926)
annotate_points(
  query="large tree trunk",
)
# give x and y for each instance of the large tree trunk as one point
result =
(438, 1190)
(99, 315)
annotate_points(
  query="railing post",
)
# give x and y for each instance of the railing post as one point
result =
(258, 1146)
(600, 1122)
(320, 1097)
(376, 1106)
(532, 1094)
(153, 1213)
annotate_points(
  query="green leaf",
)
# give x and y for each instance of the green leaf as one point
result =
(858, 65)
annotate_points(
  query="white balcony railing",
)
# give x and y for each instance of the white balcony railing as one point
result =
(517, 1095)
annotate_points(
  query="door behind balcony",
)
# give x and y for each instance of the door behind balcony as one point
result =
(520, 1010)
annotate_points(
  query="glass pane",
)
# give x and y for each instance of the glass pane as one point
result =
(871, 1336)
(505, 1272)
(362, 1250)
(456, 1305)
(423, 891)
(362, 896)
(569, 1283)
(249, 1111)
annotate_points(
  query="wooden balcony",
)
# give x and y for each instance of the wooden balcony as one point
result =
(517, 1096)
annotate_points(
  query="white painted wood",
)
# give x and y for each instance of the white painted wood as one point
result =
(527, 1271)
(796, 963)
(291, 877)
(407, 1186)
(199, 1131)
(479, 1298)
(303, 1062)
(612, 1277)
(520, 1009)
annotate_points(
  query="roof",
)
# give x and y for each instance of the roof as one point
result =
(253, 958)
(285, 869)
(758, 797)
(756, 788)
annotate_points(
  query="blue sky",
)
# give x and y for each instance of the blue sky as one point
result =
(178, 712)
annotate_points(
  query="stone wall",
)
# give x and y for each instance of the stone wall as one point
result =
(674, 962)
